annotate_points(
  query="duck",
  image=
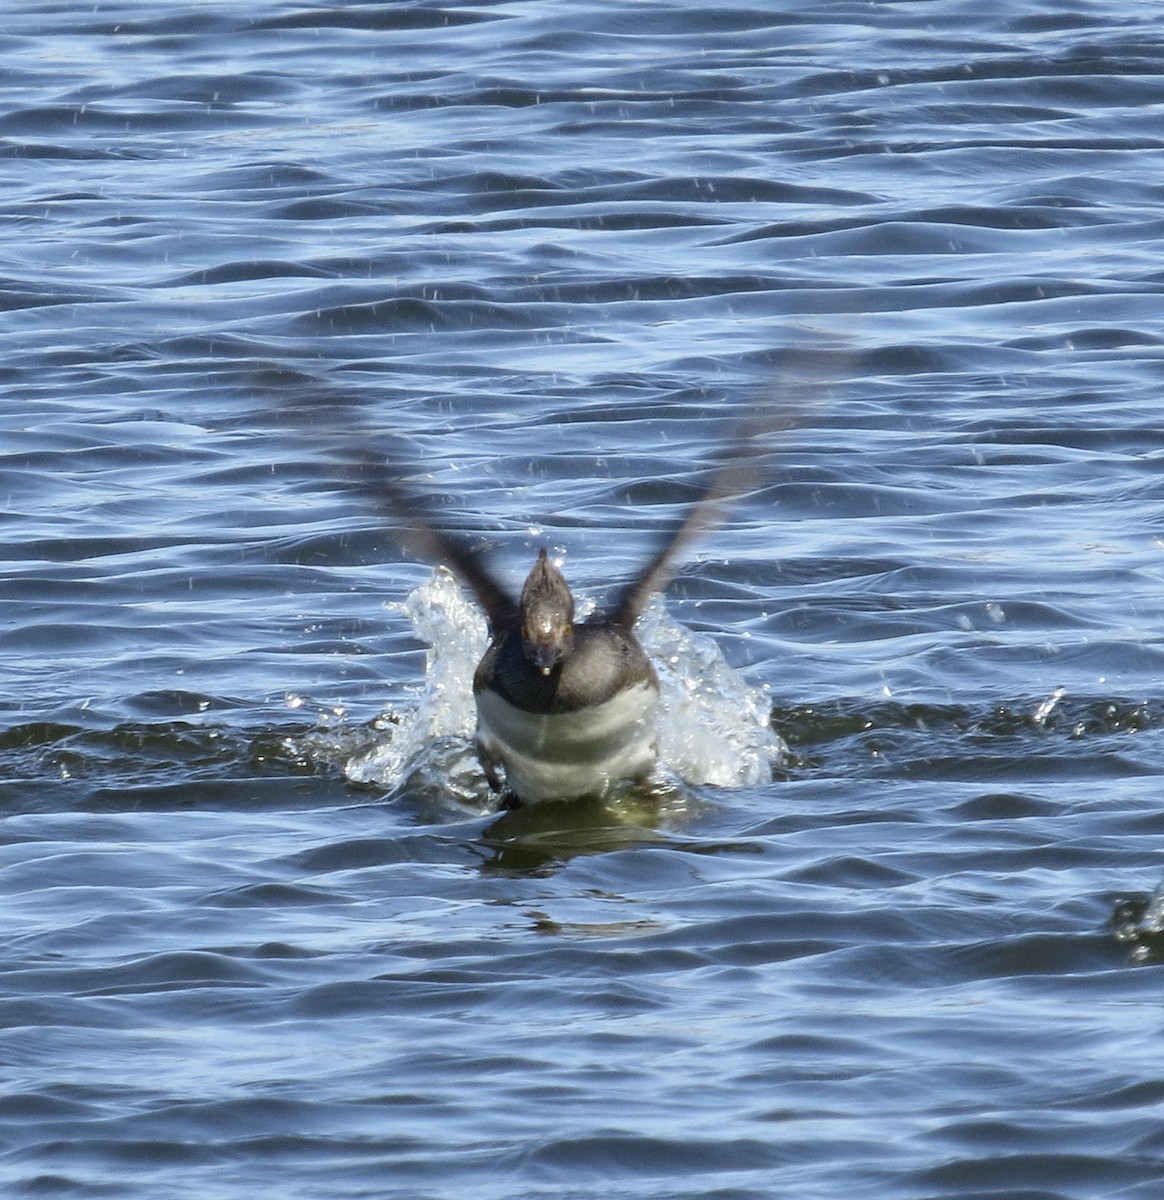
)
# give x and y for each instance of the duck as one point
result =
(566, 709)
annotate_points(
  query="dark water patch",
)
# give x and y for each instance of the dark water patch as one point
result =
(851, 871)
(232, 1121)
(1039, 954)
(175, 704)
(176, 972)
(237, 272)
(122, 1153)
(1089, 339)
(273, 895)
(37, 1107)
(1136, 1095)
(612, 189)
(205, 90)
(24, 148)
(222, 794)
(441, 846)
(753, 942)
(914, 359)
(163, 765)
(266, 178)
(375, 18)
(327, 208)
(370, 997)
(1051, 716)
(1010, 217)
(1085, 75)
(513, 848)
(108, 118)
(16, 295)
(413, 315)
(1003, 806)
(600, 220)
(1063, 1175)
(627, 1154)
(1007, 744)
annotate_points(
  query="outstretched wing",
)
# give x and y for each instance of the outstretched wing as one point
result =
(415, 532)
(735, 471)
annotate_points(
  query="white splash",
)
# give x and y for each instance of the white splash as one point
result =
(454, 630)
(714, 727)
(1047, 707)
(1152, 920)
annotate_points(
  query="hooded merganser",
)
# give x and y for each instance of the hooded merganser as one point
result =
(565, 709)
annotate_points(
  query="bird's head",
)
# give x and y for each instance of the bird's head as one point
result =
(547, 616)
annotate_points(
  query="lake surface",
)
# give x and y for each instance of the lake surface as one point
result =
(263, 933)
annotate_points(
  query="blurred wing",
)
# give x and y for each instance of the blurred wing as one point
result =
(415, 532)
(729, 480)
(807, 373)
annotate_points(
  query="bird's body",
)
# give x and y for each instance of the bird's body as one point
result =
(573, 731)
(570, 754)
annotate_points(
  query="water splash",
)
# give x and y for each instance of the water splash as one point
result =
(714, 727)
(1047, 707)
(444, 715)
(1139, 923)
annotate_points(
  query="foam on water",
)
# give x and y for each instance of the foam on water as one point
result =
(714, 727)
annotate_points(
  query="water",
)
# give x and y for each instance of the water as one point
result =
(548, 254)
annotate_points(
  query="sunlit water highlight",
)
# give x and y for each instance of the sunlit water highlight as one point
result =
(549, 255)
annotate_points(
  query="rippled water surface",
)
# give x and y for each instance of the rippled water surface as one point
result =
(258, 942)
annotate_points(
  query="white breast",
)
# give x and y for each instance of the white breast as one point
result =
(563, 756)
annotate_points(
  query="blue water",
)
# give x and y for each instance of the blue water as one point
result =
(548, 254)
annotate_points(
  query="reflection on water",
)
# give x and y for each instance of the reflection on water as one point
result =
(541, 836)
